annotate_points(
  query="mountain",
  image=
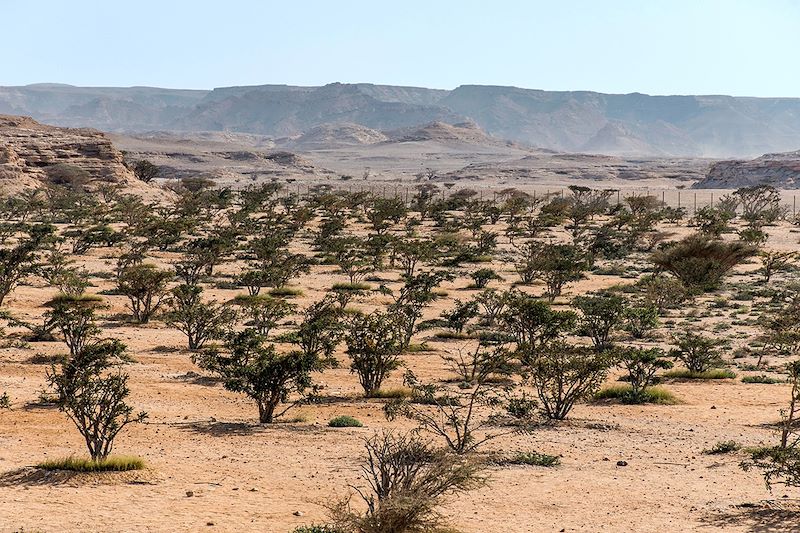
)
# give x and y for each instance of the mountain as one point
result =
(34, 154)
(107, 108)
(781, 170)
(620, 124)
(292, 112)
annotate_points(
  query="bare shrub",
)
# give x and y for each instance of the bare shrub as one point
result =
(407, 480)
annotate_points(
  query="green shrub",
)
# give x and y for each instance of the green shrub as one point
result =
(535, 459)
(601, 314)
(716, 373)
(699, 354)
(762, 378)
(642, 365)
(624, 393)
(345, 421)
(563, 374)
(285, 292)
(317, 528)
(114, 463)
(701, 262)
(640, 321)
(5, 401)
(723, 446)
(145, 286)
(374, 343)
(483, 276)
(351, 287)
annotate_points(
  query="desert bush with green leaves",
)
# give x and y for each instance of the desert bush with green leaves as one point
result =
(472, 323)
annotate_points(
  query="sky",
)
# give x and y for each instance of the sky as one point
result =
(737, 47)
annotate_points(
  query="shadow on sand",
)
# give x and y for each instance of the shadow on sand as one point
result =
(31, 476)
(240, 429)
(763, 517)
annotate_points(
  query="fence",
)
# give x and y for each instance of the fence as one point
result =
(690, 199)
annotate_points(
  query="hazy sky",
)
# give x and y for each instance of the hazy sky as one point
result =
(653, 46)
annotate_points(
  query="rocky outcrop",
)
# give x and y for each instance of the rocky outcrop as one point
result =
(31, 152)
(236, 163)
(463, 132)
(781, 171)
(327, 136)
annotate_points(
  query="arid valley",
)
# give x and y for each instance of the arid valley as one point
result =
(433, 267)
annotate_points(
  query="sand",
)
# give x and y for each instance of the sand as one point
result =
(212, 467)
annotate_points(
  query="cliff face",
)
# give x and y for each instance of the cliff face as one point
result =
(30, 152)
(782, 171)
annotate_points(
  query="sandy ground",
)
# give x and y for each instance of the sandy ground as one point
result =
(211, 467)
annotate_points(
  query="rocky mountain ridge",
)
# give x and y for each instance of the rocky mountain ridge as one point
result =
(573, 121)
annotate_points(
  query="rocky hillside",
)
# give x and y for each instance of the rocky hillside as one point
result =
(573, 121)
(33, 154)
(326, 136)
(461, 133)
(231, 160)
(782, 171)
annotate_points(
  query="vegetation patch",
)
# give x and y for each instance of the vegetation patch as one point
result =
(762, 378)
(285, 292)
(723, 447)
(114, 463)
(345, 421)
(392, 393)
(350, 287)
(318, 528)
(534, 459)
(714, 373)
(624, 393)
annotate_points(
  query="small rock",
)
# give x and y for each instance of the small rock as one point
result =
(209, 523)
(189, 493)
(713, 406)
(298, 513)
(622, 463)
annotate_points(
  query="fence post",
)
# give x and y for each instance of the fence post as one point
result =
(679, 198)
(694, 209)
(712, 200)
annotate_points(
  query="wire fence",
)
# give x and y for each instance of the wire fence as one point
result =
(689, 199)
